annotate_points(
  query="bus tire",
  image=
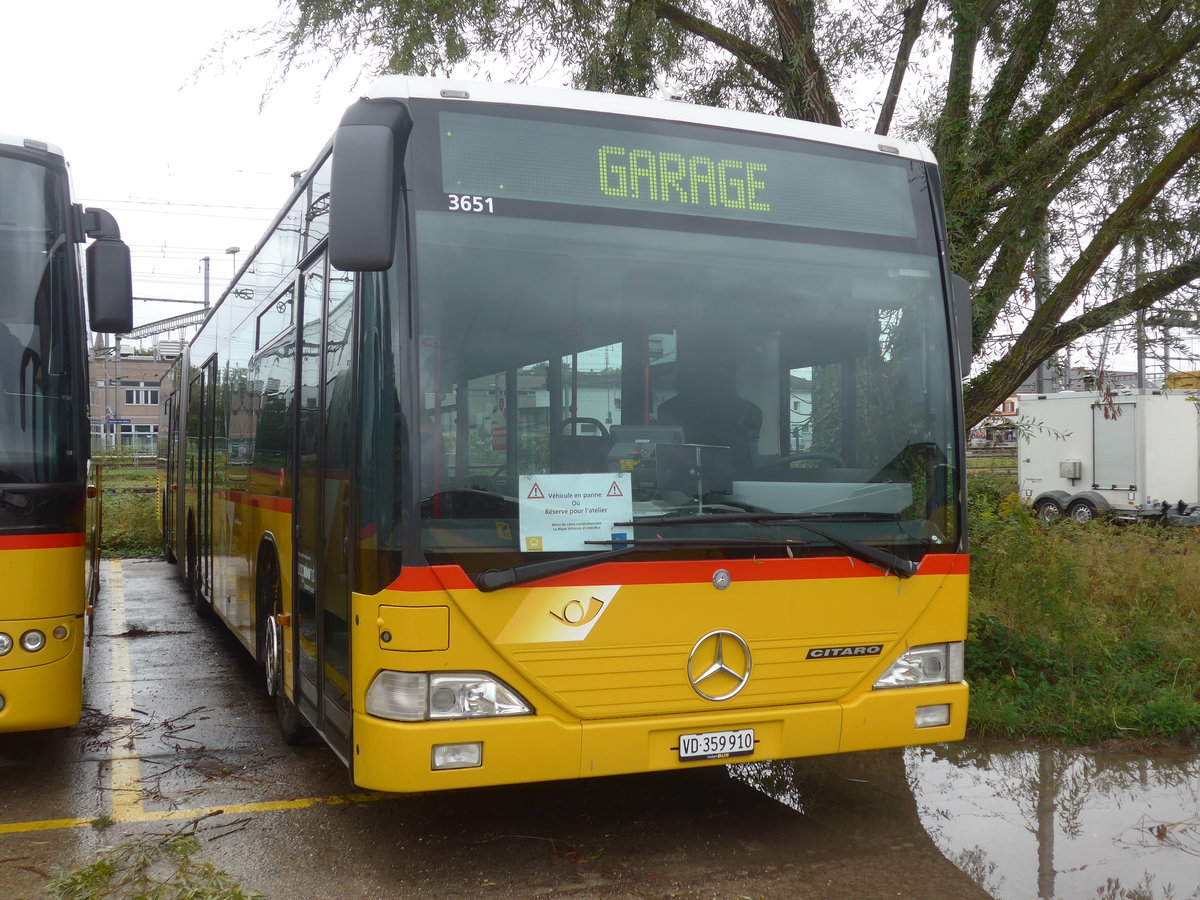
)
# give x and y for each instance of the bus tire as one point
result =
(269, 590)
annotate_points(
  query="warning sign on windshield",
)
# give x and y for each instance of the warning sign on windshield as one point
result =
(564, 512)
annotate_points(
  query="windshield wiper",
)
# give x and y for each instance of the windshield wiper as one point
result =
(884, 559)
(494, 579)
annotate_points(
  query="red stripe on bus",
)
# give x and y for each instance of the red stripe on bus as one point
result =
(433, 578)
(40, 541)
(262, 501)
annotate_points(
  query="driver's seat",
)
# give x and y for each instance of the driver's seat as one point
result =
(575, 454)
(718, 420)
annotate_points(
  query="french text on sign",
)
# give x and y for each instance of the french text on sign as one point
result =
(564, 512)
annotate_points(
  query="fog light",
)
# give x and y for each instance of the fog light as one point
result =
(2, 702)
(932, 716)
(5, 644)
(458, 756)
(33, 641)
(61, 632)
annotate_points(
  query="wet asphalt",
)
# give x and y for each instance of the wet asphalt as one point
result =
(178, 734)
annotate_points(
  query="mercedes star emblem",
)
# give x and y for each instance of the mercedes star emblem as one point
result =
(717, 659)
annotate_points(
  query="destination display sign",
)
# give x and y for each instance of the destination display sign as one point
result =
(487, 159)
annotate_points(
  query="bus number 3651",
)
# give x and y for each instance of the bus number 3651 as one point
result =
(470, 203)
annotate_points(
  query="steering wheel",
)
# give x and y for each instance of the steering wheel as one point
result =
(583, 420)
(831, 458)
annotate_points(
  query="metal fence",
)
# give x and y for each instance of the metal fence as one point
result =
(992, 461)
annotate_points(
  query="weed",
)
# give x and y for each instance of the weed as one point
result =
(1083, 634)
(130, 525)
(160, 866)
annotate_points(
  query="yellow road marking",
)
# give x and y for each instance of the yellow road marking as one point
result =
(126, 770)
(126, 782)
(48, 825)
(170, 815)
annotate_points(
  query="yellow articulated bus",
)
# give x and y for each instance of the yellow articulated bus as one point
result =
(550, 434)
(48, 579)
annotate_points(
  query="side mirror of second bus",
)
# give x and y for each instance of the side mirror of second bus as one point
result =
(367, 152)
(109, 284)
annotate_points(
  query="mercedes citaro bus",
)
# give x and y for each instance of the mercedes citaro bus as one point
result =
(549, 434)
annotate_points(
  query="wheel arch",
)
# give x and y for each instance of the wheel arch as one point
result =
(268, 554)
(1062, 498)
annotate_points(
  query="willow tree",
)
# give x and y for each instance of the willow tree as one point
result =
(1068, 131)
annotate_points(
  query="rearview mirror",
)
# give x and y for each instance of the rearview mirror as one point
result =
(367, 152)
(962, 321)
(109, 281)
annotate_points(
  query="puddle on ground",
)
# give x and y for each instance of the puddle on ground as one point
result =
(1052, 823)
(1024, 824)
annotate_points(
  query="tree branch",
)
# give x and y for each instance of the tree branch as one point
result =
(766, 65)
(1026, 202)
(808, 95)
(914, 14)
(1115, 227)
(986, 391)
(1029, 43)
(955, 120)
(1154, 288)
(1046, 154)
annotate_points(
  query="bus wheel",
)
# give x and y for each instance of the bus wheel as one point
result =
(271, 642)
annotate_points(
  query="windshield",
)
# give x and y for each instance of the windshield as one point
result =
(39, 416)
(587, 364)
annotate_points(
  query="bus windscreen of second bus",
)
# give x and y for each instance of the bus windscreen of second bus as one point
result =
(39, 432)
(619, 322)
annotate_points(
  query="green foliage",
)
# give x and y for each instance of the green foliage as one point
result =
(131, 526)
(150, 867)
(1081, 634)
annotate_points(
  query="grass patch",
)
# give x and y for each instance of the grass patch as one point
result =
(1083, 634)
(130, 525)
(129, 476)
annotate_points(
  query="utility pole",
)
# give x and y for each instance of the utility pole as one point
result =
(205, 260)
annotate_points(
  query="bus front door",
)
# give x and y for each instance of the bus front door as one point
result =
(322, 578)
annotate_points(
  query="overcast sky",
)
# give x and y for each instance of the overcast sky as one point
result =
(158, 112)
(164, 130)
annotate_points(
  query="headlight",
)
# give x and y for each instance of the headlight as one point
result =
(5, 644)
(929, 664)
(418, 696)
(33, 640)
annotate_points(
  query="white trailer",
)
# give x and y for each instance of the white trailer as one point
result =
(1134, 456)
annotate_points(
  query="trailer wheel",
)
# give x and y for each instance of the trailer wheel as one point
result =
(1082, 511)
(1047, 509)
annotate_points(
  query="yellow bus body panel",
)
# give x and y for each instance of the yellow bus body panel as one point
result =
(605, 668)
(43, 589)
